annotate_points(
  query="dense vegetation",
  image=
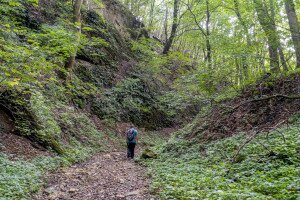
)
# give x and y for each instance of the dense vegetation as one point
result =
(226, 72)
(243, 56)
(263, 167)
(46, 102)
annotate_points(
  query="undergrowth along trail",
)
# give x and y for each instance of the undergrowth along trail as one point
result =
(239, 167)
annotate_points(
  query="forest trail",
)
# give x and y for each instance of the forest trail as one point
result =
(104, 176)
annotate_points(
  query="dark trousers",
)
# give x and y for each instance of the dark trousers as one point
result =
(130, 150)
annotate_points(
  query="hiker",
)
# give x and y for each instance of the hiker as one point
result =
(131, 141)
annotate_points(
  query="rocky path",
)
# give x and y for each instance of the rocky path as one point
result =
(104, 176)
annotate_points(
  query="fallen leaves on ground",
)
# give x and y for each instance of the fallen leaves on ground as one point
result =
(104, 176)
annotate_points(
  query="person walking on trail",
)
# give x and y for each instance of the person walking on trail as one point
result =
(131, 141)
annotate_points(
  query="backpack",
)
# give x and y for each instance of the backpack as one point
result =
(130, 134)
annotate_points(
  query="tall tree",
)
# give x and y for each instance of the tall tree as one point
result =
(280, 50)
(77, 22)
(175, 23)
(207, 38)
(151, 13)
(269, 27)
(246, 31)
(294, 27)
(165, 24)
(205, 31)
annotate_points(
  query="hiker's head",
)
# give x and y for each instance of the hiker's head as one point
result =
(131, 126)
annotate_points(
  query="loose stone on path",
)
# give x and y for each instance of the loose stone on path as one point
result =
(105, 176)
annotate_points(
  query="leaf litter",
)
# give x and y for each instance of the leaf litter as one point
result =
(104, 176)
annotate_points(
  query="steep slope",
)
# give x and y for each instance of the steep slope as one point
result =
(245, 147)
(41, 113)
(34, 99)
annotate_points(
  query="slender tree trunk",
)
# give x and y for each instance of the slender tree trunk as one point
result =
(238, 75)
(262, 61)
(76, 13)
(151, 14)
(245, 28)
(77, 22)
(208, 53)
(294, 27)
(282, 58)
(204, 54)
(166, 18)
(280, 51)
(269, 28)
(169, 42)
(208, 45)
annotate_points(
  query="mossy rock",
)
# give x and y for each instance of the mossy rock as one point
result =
(148, 154)
(240, 158)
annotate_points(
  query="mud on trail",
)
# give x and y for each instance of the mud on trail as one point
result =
(104, 176)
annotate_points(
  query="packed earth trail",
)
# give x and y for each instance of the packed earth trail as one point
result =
(104, 176)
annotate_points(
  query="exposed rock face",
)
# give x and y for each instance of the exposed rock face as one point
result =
(148, 154)
(125, 22)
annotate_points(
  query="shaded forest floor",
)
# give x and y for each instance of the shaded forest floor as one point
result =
(104, 176)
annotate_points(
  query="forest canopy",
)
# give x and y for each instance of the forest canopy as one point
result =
(236, 41)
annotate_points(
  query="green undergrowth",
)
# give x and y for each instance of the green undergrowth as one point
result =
(146, 140)
(65, 131)
(268, 167)
(19, 179)
(152, 139)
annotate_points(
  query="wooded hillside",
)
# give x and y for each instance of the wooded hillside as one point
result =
(212, 87)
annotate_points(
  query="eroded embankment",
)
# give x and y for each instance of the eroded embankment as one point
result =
(263, 106)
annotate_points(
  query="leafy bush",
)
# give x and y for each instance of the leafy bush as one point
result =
(56, 42)
(48, 127)
(126, 98)
(78, 128)
(131, 100)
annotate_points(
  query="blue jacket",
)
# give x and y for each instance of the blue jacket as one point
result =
(135, 133)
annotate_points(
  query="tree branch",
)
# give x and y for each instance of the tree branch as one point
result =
(263, 99)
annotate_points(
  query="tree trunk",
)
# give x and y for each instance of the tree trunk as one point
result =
(208, 45)
(174, 28)
(208, 53)
(280, 51)
(151, 14)
(166, 18)
(76, 13)
(245, 28)
(282, 59)
(77, 23)
(238, 74)
(269, 28)
(294, 27)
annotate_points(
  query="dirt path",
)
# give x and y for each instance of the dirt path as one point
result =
(104, 176)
